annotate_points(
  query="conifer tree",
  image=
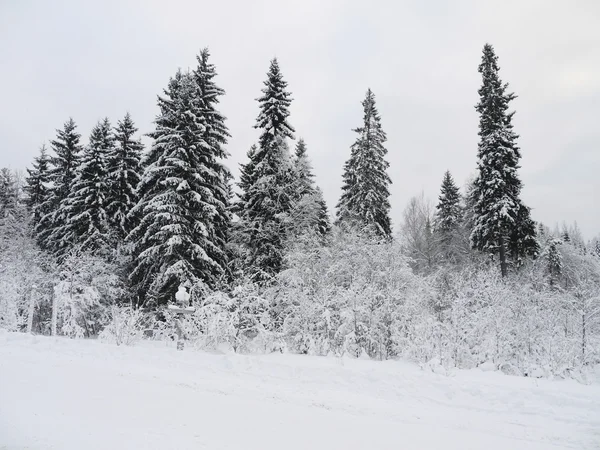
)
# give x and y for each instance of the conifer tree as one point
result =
(36, 185)
(309, 211)
(216, 177)
(305, 183)
(553, 260)
(501, 221)
(183, 191)
(63, 169)
(448, 211)
(268, 180)
(85, 208)
(124, 171)
(323, 224)
(246, 174)
(365, 189)
(8, 192)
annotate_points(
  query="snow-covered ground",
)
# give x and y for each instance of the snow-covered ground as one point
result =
(57, 393)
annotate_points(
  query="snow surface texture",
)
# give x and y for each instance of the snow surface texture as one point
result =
(64, 394)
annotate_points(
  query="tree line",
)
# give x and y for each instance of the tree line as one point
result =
(145, 221)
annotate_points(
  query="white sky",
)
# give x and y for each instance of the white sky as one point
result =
(94, 59)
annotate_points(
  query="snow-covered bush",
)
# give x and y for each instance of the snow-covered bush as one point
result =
(86, 288)
(126, 325)
(25, 275)
(345, 297)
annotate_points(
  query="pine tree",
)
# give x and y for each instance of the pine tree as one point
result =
(36, 185)
(267, 181)
(501, 220)
(182, 211)
(63, 169)
(124, 171)
(365, 190)
(85, 208)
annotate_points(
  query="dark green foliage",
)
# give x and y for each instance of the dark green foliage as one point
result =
(63, 169)
(124, 171)
(36, 185)
(183, 214)
(268, 182)
(501, 221)
(365, 190)
(8, 192)
(449, 213)
(85, 208)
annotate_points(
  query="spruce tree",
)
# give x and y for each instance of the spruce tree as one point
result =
(553, 260)
(309, 212)
(305, 183)
(8, 192)
(184, 191)
(216, 176)
(501, 221)
(85, 208)
(448, 210)
(268, 181)
(36, 185)
(124, 171)
(63, 169)
(323, 224)
(365, 189)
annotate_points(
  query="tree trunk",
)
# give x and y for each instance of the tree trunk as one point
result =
(54, 313)
(503, 266)
(31, 310)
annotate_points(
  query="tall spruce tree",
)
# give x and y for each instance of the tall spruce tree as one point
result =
(124, 172)
(85, 208)
(216, 176)
(501, 221)
(365, 190)
(183, 190)
(36, 185)
(63, 169)
(268, 181)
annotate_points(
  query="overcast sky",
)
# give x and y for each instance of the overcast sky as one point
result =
(93, 59)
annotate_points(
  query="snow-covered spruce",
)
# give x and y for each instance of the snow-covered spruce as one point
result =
(268, 182)
(87, 224)
(63, 170)
(365, 189)
(502, 223)
(182, 213)
(124, 172)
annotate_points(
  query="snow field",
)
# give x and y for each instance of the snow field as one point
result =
(57, 393)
